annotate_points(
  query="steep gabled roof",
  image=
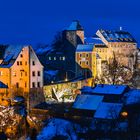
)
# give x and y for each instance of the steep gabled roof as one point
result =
(75, 25)
(10, 53)
(2, 85)
(87, 102)
(84, 48)
(117, 36)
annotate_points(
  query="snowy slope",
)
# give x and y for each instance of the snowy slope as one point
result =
(58, 127)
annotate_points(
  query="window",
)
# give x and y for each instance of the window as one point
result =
(80, 62)
(17, 85)
(21, 55)
(25, 62)
(17, 62)
(80, 55)
(87, 62)
(87, 55)
(33, 73)
(63, 58)
(33, 84)
(14, 73)
(25, 73)
(38, 84)
(54, 58)
(33, 63)
(21, 74)
(25, 84)
(20, 62)
(49, 58)
(38, 73)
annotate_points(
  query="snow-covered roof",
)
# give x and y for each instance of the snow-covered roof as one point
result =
(108, 110)
(2, 85)
(105, 89)
(117, 36)
(85, 48)
(87, 102)
(75, 25)
(10, 53)
(51, 72)
(133, 97)
(93, 40)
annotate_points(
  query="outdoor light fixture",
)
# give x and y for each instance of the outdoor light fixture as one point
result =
(124, 114)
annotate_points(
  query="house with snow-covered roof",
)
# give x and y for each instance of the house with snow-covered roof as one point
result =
(108, 117)
(20, 70)
(86, 105)
(111, 93)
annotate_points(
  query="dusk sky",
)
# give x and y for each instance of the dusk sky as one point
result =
(37, 21)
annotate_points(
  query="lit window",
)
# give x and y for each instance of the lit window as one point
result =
(33, 84)
(54, 58)
(38, 73)
(14, 73)
(49, 58)
(33, 63)
(33, 73)
(63, 58)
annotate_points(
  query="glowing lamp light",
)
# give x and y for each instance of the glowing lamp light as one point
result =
(66, 79)
(124, 114)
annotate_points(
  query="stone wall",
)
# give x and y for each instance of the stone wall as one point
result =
(69, 89)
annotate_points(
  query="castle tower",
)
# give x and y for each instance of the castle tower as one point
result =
(75, 33)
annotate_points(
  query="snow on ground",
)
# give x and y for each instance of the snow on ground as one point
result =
(62, 127)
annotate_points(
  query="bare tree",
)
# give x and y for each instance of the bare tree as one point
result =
(114, 73)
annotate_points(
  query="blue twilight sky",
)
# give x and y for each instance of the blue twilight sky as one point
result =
(37, 21)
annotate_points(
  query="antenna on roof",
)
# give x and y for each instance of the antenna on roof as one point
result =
(120, 28)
